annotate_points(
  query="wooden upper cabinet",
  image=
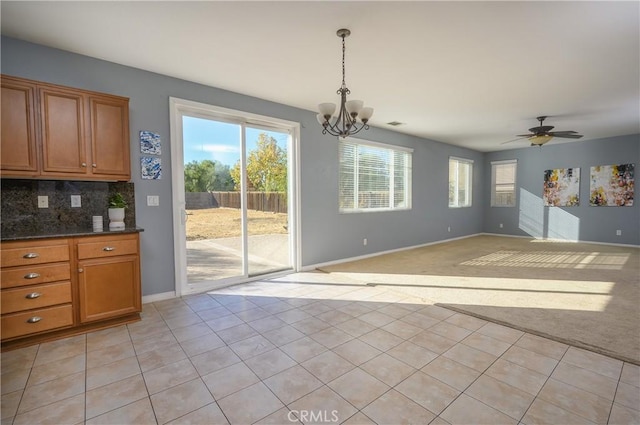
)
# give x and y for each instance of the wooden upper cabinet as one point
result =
(18, 143)
(110, 136)
(59, 132)
(63, 132)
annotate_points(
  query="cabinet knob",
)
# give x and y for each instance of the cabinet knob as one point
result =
(34, 319)
(80, 270)
(33, 295)
(94, 165)
(108, 248)
(84, 164)
(31, 275)
(30, 255)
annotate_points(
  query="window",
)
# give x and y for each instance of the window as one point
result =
(374, 176)
(503, 183)
(460, 178)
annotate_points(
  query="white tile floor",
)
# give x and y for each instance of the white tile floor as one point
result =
(290, 352)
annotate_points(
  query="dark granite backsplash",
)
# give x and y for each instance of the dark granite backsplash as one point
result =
(20, 212)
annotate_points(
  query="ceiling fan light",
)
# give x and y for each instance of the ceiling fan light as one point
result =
(540, 140)
(326, 109)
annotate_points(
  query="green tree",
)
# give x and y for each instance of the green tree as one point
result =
(266, 166)
(206, 176)
(223, 181)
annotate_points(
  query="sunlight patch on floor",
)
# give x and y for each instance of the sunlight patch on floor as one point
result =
(503, 292)
(552, 259)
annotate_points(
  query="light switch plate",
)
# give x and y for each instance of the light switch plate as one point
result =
(153, 200)
(43, 202)
(76, 201)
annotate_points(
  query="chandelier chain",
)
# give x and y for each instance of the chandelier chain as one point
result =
(343, 71)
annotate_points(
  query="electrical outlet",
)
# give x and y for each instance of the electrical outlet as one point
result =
(501, 226)
(153, 201)
(618, 232)
(364, 242)
(43, 202)
(449, 229)
(76, 201)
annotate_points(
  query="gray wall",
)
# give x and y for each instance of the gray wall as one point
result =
(326, 234)
(588, 223)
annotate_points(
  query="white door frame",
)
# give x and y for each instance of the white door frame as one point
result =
(177, 109)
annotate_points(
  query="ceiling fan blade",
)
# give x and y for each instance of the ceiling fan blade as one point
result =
(526, 136)
(541, 129)
(565, 134)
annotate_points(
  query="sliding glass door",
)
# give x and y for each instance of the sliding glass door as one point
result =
(235, 201)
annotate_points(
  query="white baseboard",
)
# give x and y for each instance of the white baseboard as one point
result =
(562, 240)
(158, 297)
(375, 254)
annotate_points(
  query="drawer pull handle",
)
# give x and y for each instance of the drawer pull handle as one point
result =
(108, 248)
(34, 319)
(31, 255)
(31, 275)
(33, 295)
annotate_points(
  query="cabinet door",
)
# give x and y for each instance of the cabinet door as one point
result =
(62, 127)
(109, 287)
(110, 137)
(18, 143)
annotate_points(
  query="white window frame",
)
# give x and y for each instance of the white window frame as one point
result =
(468, 196)
(408, 176)
(495, 202)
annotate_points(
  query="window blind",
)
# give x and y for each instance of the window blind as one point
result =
(373, 177)
(460, 182)
(503, 183)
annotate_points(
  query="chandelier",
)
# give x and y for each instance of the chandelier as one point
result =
(352, 116)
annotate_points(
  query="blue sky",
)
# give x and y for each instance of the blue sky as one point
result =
(219, 141)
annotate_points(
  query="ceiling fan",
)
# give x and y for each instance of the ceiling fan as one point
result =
(540, 135)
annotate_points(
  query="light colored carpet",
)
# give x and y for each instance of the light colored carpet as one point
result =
(587, 295)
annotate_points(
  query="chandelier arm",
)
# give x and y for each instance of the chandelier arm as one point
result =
(345, 124)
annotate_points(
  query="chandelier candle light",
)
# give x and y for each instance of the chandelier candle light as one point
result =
(352, 117)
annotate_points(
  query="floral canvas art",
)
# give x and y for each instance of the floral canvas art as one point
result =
(151, 168)
(561, 187)
(612, 185)
(150, 143)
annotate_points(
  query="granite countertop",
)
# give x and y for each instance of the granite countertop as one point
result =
(63, 232)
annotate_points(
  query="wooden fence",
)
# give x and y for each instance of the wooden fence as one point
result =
(259, 201)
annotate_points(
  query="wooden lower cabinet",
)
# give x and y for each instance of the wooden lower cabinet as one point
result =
(108, 287)
(63, 286)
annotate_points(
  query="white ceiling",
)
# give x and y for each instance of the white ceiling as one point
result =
(472, 74)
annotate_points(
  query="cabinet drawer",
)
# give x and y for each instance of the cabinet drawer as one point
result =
(34, 254)
(37, 296)
(32, 275)
(33, 321)
(107, 248)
